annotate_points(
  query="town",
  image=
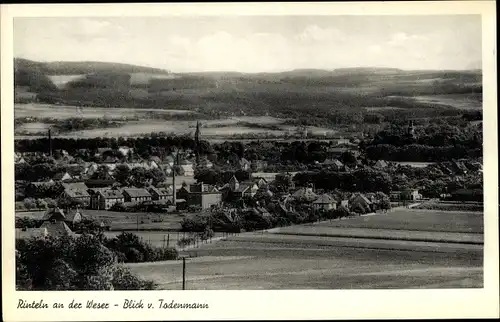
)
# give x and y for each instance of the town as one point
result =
(311, 157)
(86, 183)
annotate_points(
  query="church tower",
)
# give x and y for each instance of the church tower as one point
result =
(197, 142)
(411, 129)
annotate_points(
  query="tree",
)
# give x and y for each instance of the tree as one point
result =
(283, 182)
(71, 263)
(348, 158)
(67, 203)
(122, 174)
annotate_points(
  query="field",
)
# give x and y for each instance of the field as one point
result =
(144, 122)
(305, 257)
(67, 111)
(415, 164)
(128, 221)
(471, 101)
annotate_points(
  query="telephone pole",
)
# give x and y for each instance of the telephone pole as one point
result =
(183, 273)
(50, 144)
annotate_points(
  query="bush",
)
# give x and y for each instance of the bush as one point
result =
(27, 222)
(119, 206)
(206, 234)
(30, 203)
(340, 212)
(129, 248)
(71, 263)
(195, 223)
(123, 279)
(186, 241)
(134, 255)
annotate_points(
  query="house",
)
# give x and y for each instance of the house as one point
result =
(164, 193)
(108, 198)
(125, 151)
(56, 228)
(94, 197)
(183, 192)
(62, 176)
(205, 163)
(263, 212)
(359, 202)
(100, 183)
(20, 161)
(186, 168)
(335, 164)
(334, 152)
(103, 151)
(445, 169)
(344, 203)
(74, 216)
(341, 141)
(261, 183)
(76, 194)
(166, 168)
(459, 167)
(258, 165)
(90, 169)
(325, 202)
(407, 194)
(268, 176)
(204, 195)
(473, 165)
(54, 221)
(136, 195)
(244, 164)
(381, 164)
(170, 160)
(305, 195)
(155, 159)
(234, 190)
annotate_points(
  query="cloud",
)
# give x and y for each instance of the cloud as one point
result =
(316, 33)
(186, 45)
(401, 39)
(375, 48)
(86, 29)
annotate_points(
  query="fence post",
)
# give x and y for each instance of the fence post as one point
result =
(168, 240)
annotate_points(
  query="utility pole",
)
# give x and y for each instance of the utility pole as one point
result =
(174, 199)
(50, 144)
(183, 273)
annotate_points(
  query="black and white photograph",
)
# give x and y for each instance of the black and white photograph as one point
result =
(248, 152)
(289, 152)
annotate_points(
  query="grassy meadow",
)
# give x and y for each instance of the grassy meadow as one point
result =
(304, 257)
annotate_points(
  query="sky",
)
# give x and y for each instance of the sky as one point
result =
(256, 43)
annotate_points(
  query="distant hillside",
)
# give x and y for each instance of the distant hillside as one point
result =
(121, 85)
(368, 70)
(85, 67)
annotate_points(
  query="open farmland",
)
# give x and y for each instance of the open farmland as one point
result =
(471, 101)
(415, 164)
(127, 221)
(160, 238)
(448, 255)
(67, 111)
(140, 122)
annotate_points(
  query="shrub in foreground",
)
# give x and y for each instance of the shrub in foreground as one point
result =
(71, 263)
